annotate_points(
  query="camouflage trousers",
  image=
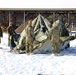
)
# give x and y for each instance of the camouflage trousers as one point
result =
(29, 47)
(55, 47)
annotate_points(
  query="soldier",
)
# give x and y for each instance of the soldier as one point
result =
(54, 35)
(1, 33)
(29, 37)
(68, 27)
(10, 35)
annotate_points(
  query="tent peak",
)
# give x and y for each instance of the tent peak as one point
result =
(58, 21)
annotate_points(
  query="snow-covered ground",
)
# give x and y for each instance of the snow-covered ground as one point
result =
(22, 64)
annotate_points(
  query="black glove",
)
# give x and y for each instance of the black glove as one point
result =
(34, 38)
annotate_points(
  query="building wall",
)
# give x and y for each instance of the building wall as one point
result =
(18, 16)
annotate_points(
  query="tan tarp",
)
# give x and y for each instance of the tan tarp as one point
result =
(19, 29)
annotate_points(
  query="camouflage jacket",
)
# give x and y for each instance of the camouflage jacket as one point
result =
(29, 33)
(54, 34)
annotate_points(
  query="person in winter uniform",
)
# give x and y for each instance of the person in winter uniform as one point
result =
(1, 33)
(11, 32)
(29, 37)
(54, 35)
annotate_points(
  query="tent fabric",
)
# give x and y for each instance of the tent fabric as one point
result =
(41, 27)
(40, 22)
(63, 30)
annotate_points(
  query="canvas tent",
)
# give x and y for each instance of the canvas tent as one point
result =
(41, 29)
(63, 30)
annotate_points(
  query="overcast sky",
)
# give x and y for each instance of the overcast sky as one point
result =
(37, 3)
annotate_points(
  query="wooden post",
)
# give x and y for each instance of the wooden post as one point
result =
(53, 16)
(68, 17)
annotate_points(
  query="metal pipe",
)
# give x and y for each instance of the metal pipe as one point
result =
(24, 19)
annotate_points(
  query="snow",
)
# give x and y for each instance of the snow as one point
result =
(23, 64)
